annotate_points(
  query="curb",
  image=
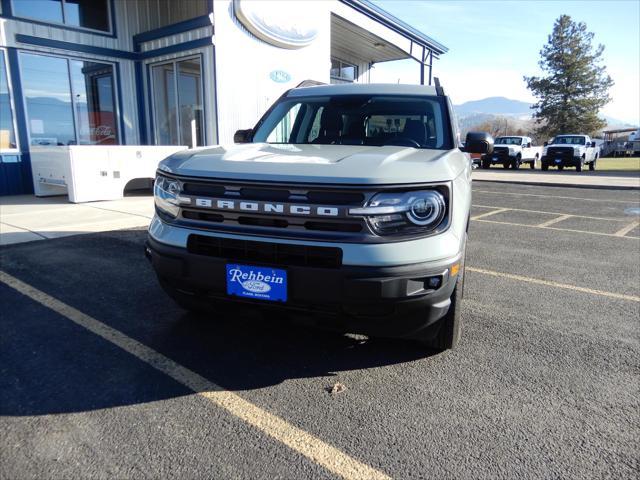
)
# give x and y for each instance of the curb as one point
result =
(566, 185)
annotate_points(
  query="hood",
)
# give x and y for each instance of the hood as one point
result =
(345, 164)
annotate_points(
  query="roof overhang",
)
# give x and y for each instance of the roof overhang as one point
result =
(384, 25)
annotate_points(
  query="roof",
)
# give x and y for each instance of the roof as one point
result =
(394, 23)
(363, 89)
(621, 130)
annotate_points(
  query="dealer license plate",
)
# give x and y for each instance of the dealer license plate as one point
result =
(260, 283)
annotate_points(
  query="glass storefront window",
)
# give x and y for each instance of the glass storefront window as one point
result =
(7, 132)
(69, 102)
(91, 14)
(92, 86)
(178, 107)
(190, 102)
(45, 86)
(164, 91)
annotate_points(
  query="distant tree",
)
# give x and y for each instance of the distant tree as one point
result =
(576, 85)
(496, 126)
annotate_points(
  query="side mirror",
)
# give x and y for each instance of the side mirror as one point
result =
(529, 145)
(545, 144)
(243, 136)
(478, 142)
(593, 144)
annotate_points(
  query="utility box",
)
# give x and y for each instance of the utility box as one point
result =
(88, 173)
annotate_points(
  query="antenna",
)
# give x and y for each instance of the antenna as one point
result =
(439, 89)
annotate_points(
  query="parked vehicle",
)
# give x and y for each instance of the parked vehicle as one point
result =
(511, 152)
(570, 151)
(347, 204)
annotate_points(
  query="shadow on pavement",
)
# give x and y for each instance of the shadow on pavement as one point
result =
(49, 364)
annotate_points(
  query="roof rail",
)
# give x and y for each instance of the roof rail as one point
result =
(309, 83)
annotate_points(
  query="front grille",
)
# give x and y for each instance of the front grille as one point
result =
(501, 152)
(560, 152)
(283, 223)
(280, 254)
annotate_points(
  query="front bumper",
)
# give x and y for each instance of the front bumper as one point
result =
(386, 301)
(563, 161)
(499, 158)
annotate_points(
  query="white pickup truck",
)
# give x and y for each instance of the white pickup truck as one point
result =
(570, 151)
(512, 151)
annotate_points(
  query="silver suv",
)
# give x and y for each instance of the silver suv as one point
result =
(346, 204)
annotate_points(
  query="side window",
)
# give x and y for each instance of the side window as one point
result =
(314, 132)
(282, 131)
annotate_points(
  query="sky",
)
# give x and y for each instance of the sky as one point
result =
(493, 44)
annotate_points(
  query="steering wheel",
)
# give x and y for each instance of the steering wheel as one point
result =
(403, 142)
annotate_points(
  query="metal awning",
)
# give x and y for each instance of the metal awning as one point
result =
(360, 43)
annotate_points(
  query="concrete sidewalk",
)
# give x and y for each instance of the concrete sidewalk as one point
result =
(25, 218)
(570, 178)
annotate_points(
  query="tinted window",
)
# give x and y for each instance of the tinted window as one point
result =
(572, 140)
(92, 14)
(509, 141)
(420, 122)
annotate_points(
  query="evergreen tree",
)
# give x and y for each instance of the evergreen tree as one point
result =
(575, 85)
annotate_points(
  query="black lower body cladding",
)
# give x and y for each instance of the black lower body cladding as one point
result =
(382, 301)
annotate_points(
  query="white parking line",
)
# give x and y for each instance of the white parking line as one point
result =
(553, 221)
(627, 228)
(555, 213)
(295, 438)
(556, 228)
(558, 196)
(483, 215)
(550, 283)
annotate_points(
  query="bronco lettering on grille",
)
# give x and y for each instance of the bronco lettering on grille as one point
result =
(271, 208)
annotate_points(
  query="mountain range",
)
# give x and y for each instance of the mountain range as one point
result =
(481, 110)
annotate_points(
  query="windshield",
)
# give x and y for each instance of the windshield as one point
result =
(508, 141)
(376, 120)
(569, 140)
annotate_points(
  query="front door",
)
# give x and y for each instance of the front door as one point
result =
(177, 102)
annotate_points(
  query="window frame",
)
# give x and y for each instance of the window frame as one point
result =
(63, 24)
(343, 63)
(152, 102)
(116, 97)
(12, 106)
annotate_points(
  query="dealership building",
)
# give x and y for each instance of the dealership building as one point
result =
(169, 72)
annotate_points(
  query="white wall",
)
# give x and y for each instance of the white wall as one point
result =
(244, 63)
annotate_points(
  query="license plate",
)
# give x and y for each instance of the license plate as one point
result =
(558, 160)
(260, 283)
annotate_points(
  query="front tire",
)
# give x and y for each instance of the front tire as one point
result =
(516, 163)
(486, 164)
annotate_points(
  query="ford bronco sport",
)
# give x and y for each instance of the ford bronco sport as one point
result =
(348, 204)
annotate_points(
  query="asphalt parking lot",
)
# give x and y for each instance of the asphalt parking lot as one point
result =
(99, 369)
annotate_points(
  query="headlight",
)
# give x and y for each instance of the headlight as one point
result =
(405, 213)
(166, 194)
